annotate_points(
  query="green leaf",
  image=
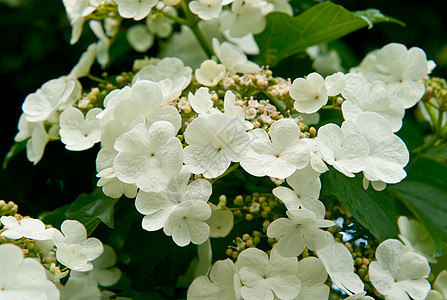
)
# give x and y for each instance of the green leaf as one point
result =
(91, 209)
(376, 211)
(424, 193)
(285, 35)
(15, 149)
(438, 154)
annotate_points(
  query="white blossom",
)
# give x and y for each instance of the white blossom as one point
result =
(294, 201)
(206, 9)
(210, 73)
(136, 9)
(27, 227)
(23, 278)
(279, 157)
(79, 287)
(388, 154)
(243, 18)
(74, 250)
(171, 74)
(214, 142)
(399, 273)
(220, 222)
(54, 95)
(179, 209)
(148, 157)
(234, 58)
(201, 102)
(439, 287)
(140, 38)
(161, 25)
(36, 135)
(82, 68)
(77, 10)
(346, 152)
(301, 229)
(267, 278)
(415, 236)
(78, 132)
(103, 44)
(312, 276)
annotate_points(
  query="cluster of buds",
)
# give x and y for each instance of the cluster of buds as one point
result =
(258, 206)
(8, 209)
(244, 242)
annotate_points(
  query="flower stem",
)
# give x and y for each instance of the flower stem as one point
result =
(94, 78)
(228, 171)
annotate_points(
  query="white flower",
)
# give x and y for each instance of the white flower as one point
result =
(148, 158)
(177, 210)
(306, 184)
(316, 162)
(399, 273)
(161, 25)
(312, 276)
(37, 135)
(279, 157)
(77, 10)
(140, 38)
(294, 201)
(339, 264)
(223, 283)
(79, 288)
(214, 142)
(79, 133)
(23, 278)
(312, 92)
(247, 43)
(234, 58)
(82, 68)
(243, 18)
(54, 95)
(299, 230)
(136, 9)
(415, 236)
(206, 9)
(361, 96)
(359, 296)
(401, 69)
(220, 222)
(103, 271)
(171, 74)
(74, 250)
(388, 154)
(210, 73)
(439, 288)
(27, 227)
(103, 45)
(265, 278)
(346, 152)
(201, 102)
(233, 110)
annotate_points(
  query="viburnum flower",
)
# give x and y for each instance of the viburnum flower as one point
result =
(234, 58)
(339, 264)
(312, 276)
(305, 183)
(76, 12)
(140, 38)
(136, 9)
(79, 287)
(399, 273)
(316, 161)
(23, 278)
(439, 287)
(82, 68)
(220, 222)
(36, 135)
(233, 110)
(267, 278)
(301, 229)
(214, 142)
(359, 296)
(206, 9)
(223, 283)
(293, 201)
(176, 205)
(201, 102)
(161, 25)
(54, 95)
(78, 132)
(74, 250)
(346, 152)
(415, 236)
(243, 18)
(279, 157)
(401, 69)
(171, 74)
(103, 44)
(388, 154)
(210, 73)
(312, 92)
(149, 157)
(361, 96)
(27, 227)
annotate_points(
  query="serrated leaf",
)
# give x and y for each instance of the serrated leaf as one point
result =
(13, 151)
(424, 193)
(91, 209)
(376, 211)
(285, 35)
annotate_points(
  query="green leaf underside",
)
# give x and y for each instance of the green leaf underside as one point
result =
(15, 149)
(424, 193)
(376, 211)
(285, 35)
(91, 209)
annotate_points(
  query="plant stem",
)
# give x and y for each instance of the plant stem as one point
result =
(228, 171)
(94, 78)
(176, 19)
